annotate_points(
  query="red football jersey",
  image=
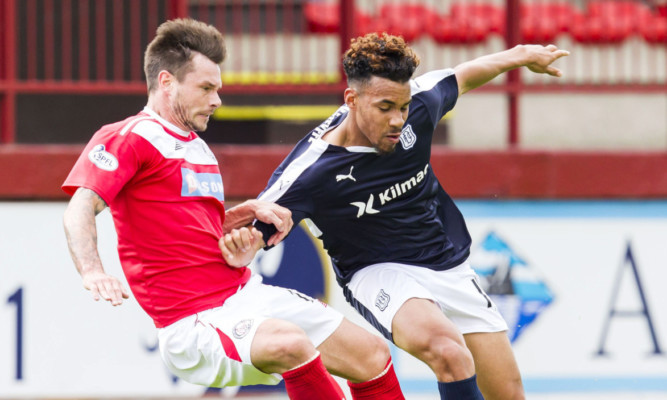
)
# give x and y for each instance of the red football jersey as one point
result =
(166, 196)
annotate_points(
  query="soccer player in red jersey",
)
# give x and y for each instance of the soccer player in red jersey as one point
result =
(185, 256)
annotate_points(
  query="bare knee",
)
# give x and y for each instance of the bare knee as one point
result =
(511, 389)
(449, 359)
(279, 346)
(515, 390)
(353, 353)
(367, 363)
(291, 349)
(370, 359)
(377, 355)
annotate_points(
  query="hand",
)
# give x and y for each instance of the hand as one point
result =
(240, 246)
(543, 58)
(105, 286)
(279, 216)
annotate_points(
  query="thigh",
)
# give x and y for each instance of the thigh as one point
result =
(498, 374)
(421, 329)
(419, 324)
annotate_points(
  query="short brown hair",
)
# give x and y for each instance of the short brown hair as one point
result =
(175, 45)
(386, 56)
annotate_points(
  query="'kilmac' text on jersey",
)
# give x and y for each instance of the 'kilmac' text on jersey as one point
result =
(396, 190)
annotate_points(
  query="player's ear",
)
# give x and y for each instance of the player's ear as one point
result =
(165, 80)
(351, 97)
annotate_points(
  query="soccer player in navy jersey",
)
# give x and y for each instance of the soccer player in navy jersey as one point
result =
(363, 182)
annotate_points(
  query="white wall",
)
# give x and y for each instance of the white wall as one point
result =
(74, 347)
(573, 121)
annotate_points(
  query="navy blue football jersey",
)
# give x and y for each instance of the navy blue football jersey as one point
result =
(369, 208)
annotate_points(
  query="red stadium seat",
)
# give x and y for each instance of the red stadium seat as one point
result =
(609, 21)
(661, 10)
(322, 17)
(543, 22)
(655, 30)
(408, 20)
(535, 30)
(468, 23)
(635, 13)
(596, 30)
(448, 30)
(367, 24)
(617, 8)
(487, 13)
(325, 18)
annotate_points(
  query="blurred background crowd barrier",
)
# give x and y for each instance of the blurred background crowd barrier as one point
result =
(69, 66)
(55, 53)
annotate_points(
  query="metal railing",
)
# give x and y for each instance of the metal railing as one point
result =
(294, 46)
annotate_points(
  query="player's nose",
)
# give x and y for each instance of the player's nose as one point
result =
(215, 100)
(397, 120)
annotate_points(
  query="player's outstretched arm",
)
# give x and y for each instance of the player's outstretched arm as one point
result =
(267, 212)
(239, 246)
(81, 233)
(537, 58)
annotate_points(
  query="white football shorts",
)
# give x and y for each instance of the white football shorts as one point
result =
(378, 292)
(212, 347)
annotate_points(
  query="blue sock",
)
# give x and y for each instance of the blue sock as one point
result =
(460, 390)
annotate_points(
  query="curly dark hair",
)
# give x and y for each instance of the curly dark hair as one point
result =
(385, 56)
(175, 45)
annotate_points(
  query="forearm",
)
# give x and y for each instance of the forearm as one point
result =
(240, 215)
(270, 213)
(81, 231)
(537, 58)
(477, 72)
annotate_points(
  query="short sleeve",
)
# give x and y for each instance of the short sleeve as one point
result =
(437, 90)
(107, 163)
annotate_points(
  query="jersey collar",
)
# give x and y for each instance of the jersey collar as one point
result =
(361, 149)
(166, 123)
(351, 149)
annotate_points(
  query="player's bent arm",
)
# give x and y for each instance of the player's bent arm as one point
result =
(269, 231)
(240, 215)
(81, 233)
(268, 212)
(537, 58)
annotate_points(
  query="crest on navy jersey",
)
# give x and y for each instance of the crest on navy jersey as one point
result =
(408, 137)
(514, 285)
